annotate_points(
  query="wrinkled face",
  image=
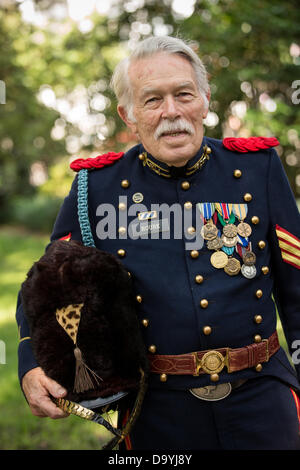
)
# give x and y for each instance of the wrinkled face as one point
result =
(167, 106)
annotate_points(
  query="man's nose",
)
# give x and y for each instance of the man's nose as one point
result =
(170, 108)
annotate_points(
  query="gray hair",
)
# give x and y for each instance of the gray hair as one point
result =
(120, 81)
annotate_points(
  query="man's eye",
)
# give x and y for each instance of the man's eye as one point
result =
(184, 94)
(152, 100)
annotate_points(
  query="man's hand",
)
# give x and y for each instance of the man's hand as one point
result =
(37, 387)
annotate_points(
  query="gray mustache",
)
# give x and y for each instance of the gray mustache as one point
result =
(173, 126)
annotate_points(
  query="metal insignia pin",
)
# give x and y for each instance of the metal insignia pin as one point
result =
(137, 197)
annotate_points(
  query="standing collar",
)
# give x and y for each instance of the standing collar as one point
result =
(192, 166)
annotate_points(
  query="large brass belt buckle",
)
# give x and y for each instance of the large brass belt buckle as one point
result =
(212, 392)
(212, 362)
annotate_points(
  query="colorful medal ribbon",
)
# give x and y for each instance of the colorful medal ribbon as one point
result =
(207, 209)
(228, 250)
(240, 210)
(242, 249)
(224, 209)
(243, 241)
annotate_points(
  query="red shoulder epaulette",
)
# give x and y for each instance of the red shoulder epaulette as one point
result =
(96, 162)
(250, 144)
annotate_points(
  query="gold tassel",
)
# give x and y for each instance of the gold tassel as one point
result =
(83, 374)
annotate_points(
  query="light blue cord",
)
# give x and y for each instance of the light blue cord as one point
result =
(82, 208)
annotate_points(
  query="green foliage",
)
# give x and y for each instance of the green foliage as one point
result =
(250, 49)
(37, 213)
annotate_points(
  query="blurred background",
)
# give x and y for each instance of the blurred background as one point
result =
(56, 60)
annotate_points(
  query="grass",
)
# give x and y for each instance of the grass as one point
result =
(19, 429)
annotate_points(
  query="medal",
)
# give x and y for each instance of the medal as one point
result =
(244, 229)
(214, 244)
(230, 230)
(229, 241)
(209, 231)
(248, 271)
(207, 209)
(249, 258)
(233, 267)
(219, 259)
(241, 211)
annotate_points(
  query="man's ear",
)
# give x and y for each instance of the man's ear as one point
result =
(124, 116)
(207, 95)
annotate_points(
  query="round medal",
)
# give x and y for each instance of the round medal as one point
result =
(214, 244)
(248, 271)
(219, 259)
(209, 231)
(232, 241)
(244, 229)
(249, 258)
(233, 267)
(230, 230)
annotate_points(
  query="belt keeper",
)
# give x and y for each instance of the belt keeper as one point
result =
(266, 341)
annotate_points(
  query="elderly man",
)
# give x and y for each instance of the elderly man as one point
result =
(205, 278)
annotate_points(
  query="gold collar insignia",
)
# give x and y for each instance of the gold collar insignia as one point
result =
(166, 171)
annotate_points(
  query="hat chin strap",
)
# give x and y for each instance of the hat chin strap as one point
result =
(120, 434)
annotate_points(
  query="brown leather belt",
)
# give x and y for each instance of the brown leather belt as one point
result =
(213, 361)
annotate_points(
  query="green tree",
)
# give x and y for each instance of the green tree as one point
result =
(59, 104)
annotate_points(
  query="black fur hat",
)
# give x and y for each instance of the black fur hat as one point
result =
(82, 315)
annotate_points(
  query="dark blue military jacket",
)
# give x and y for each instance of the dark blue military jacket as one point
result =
(179, 292)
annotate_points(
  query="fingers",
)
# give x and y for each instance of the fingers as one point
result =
(37, 388)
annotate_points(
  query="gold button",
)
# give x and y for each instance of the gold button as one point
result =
(145, 322)
(204, 303)
(141, 156)
(121, 253)
(139, 299)
(265, 269)
(258, 318)
(259, 293)
(122, 206)
(207, 330)
(152, 349)
(163, 377)
(214, 377)
(191, 230)
(257, 339)
(194, 254)
(258, 367)
(125, 184)
(185, 185)
(199, 279)
(247, 197)
(122, 230)
(261, 244)
(129, 274)
(255, 220)
(208, 149)
(188, 205)
(237, 173)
